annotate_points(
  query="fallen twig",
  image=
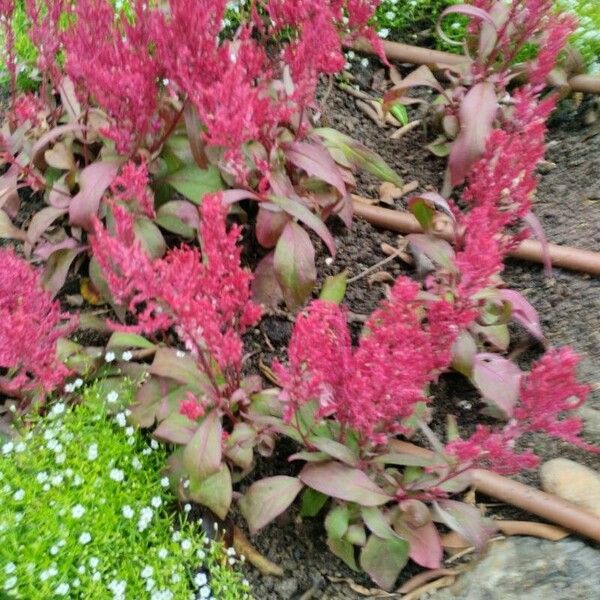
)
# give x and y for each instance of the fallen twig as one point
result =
(567, 257)
(418, 580)
(243, 547)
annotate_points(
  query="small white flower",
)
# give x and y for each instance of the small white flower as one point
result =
(62, 589)
(129, 431)
(187, 508)
(46, 487)
(127, 512)
(69, 388)
(41, 477)
(77, 480)
(231, 560)
(20, 447)
(60, 458)
(109, 357)
(186, 545)
(230, 551)
(121, 419)
(10, 583)
(77, 511)
(10, 568)
(179, 354)
(383, 33)
(127, 356)
(204, 592)
(201, 554)
(364, 62)
(136, 463)
(147, 572)
(85, 538)
(176, 536)
(7, 448)
(78, 383)
(154, 444)
(156, 501)
(92, 453)
(150, 583)
(96, 576)
(200, 580)
(117, 475)
(54, 550)
(163, 553)
(164, 482)
(112, 397)
(56, 480)
(81, 570)
(57, 409)
(18, 495)
(94, 562)
(175, 578)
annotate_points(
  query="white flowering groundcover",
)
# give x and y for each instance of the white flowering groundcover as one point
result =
(86, 514)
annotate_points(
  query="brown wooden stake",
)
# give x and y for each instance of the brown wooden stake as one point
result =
(438, 60)
(566, 257)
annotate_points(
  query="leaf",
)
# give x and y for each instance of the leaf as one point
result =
(377, 523)
(269, 225)
(400, 113)
(335, 450)
(120, 339)
(180, 217)
(356, 535)
(343, 549)
(435, 199)
(203, 454)
(268, 498)
(337, 521)
(176, 365)
(384, 559)
(522, 312)
(438, 251)
(294, 265)
(316, 161)
(404, 459)
(193, 127)
(57, 268)
(439, 147)
(214, 492)
(464, 350)
(334, 288)
(312, 502)
(8, 230)
(176, 429)
(538, 231)
(51, 135)
(265, 287)
(465, 520)
(60, 157)
(41, 221)
(498, 379)
(423, 212)
(239, 446)
(424, 541)
(93, 182)
(150, 237)
(302, 213)
(359, 155)
(477, 113)
(341, 481)
(147, 399)
(194, 183)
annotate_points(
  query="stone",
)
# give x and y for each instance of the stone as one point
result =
(572, 481)
(531, 568)
(287, 587)
(591, 423)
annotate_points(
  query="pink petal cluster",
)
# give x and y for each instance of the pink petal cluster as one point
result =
(132, 187)
(373, 387)
(191, 408)
(31, 323)
(548, 394)
(204, 297)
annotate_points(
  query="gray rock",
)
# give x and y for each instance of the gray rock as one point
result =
(287, 587)
(528, 568)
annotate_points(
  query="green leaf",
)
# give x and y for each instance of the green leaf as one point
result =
(203, 454)
(312, 502)
(335, 450)
(337, 521)
(384, 559)
(377, 523)
(150, 237)
(176, 429)
(343, 549)
(194, 183)
(423, 212)
(176, 365)
(294, 264)
(400, 113)
(214, 492)
(359, 155)
(268, 498)
(356, 535)
(334, 288)
(120, 339)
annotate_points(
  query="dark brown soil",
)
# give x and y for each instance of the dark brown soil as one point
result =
(568, 205)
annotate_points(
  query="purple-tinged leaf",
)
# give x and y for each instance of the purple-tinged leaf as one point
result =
(175, 429)
(8, 190)
(57, 269)
(466, 520)
(523, 312)
(267, 498)
(464, 350)
(193, 127)
(150, 237)
(239, 446)
(44, 250)
(538, 231)
(439, 251)
(59, 195)
(477, 113)
(214, 492)
(307, 456)
(341, 481)
(384, 559)
(176, 365)
(233, 196)
(468, 11)
(421, 77)
(148, 398)
(121, 339)
(377, 523)
(69, 100)
(314, 158)
(498, 379)
(8, 230)
(180, 217)
(294, 265)
(265, 287)
(60, 157)
(53, 134)
(335, 450)
(203, 454)
(269, 225)
(94, 180)
(41, 221)
(303, 214)
(344, 550)
(424, 541)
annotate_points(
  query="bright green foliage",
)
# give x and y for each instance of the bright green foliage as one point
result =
(86, 514)
(587, 36)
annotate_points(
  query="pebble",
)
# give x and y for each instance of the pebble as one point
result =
(572, 481)
(530, 568)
